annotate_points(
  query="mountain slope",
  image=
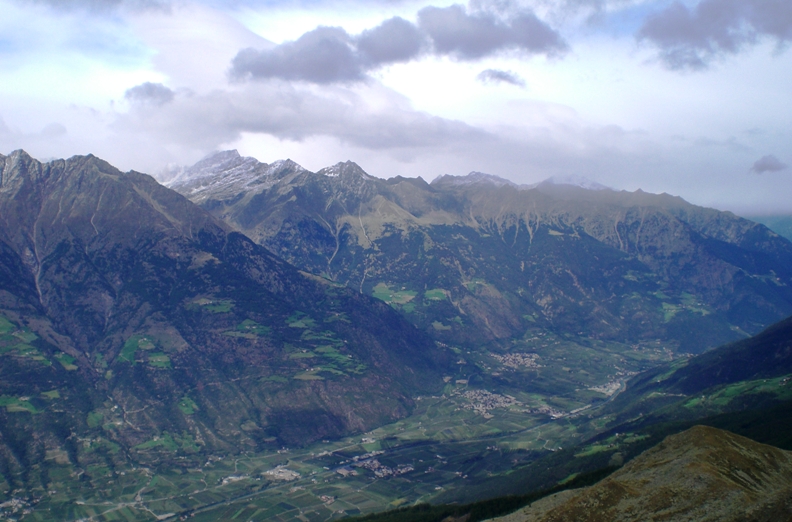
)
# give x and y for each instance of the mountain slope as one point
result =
(746, 374)
(702, 474)
(744, 387)
(132, 320)
(477, 259)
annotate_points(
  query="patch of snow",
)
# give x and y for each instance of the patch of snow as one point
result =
(332, 172)
(225, 174)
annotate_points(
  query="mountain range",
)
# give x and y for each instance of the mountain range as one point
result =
(155, 341)
(478, 259)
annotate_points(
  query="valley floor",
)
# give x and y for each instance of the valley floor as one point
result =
(461, 437)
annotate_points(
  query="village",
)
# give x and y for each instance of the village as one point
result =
(518, 360)
(369, 462)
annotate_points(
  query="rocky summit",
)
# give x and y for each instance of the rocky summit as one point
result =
(136, 327)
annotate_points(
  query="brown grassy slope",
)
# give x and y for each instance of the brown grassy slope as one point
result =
(702, 474)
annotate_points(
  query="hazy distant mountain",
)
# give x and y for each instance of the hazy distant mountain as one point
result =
(475, 178)
(781, 225)
(477, 259)
(129, 316)
(702, 474)
(577, 181)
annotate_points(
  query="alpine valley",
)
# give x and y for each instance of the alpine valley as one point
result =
(259, 342)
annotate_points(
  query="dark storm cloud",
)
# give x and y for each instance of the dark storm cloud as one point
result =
(330, 55)
(692, 38)
(149, 93)
(394, 40)
(768, 163)
(453, 31)
(324, 55)
(468, 36)
(498, 76)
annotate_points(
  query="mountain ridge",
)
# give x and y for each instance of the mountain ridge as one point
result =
(702, 474)
(675, 264)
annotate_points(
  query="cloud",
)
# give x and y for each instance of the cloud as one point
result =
(395, 40)
(50, 137)
(692, 38)
(103, 6)
(498, 76)
(470, 36)
(330, 55)
(151, 93)
(324, 55)
(53, 130)
(293, 112)
(768, 163)
(371, 121)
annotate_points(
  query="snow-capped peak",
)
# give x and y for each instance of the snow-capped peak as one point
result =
(346, 168)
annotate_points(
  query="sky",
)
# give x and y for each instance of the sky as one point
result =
(688, 97)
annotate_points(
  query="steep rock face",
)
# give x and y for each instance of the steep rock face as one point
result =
(702, 474)
(127, 312)
(478, 259)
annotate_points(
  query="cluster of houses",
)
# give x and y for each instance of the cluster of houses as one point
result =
(482, 401)
(518, 360)
(369, 462)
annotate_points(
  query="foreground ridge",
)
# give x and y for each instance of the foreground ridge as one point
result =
(702, 474)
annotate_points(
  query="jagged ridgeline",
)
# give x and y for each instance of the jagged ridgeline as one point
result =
(478, 259)
(135, 324)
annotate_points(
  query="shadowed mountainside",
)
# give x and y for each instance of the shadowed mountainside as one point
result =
(134, 321)
(747, 373)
